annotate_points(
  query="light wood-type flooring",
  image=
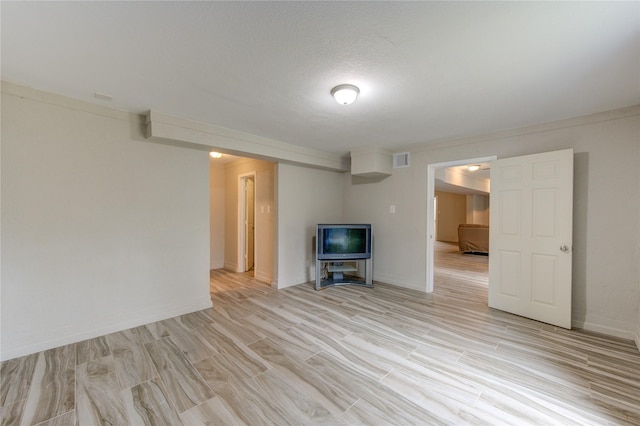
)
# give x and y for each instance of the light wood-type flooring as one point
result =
(343, 355)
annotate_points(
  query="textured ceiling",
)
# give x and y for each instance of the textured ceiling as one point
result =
(427, 71)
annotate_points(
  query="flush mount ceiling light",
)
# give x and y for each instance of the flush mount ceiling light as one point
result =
(474, 168)
(214, 154)
(345, 94)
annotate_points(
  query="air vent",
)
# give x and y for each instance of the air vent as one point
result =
(401, 159)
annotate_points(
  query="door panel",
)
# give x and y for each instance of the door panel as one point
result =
(510, 273)
(530, 236)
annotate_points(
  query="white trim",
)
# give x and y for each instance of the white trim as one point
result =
(615, 114)
(261, 276)
(394, 279)
(603, 329)
(154, 315)
(231, 266)
(431, 175)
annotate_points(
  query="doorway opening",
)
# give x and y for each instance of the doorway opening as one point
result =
(246, 222)
(432, 214)
(242, 216)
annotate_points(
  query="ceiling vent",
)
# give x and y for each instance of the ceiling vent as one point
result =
(401, 159)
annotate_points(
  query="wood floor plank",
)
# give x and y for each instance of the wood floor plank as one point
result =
(89, 350)
(295, 400)
(211, 412)
(244, 404)
(183, 383)
(240, 329)
(66, 419)
(307, 380)
(52, 390)
(11, 414)
(448, 400)
(131, 361)
(239, 358)
(16, 377)
(193, 345)
(148, 403)
(295, 342)
(99, 400)
(197, 319)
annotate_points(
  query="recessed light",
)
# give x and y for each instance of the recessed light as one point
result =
(474, 168)
(214, 154)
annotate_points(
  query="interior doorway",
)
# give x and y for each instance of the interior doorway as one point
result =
(230, 176)
(431, 210)
(250, 224)
(246, 222)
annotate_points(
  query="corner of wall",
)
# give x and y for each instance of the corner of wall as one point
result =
(636, 336)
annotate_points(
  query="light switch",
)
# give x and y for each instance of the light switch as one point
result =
(392, 208)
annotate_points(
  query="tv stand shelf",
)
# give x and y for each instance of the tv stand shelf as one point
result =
(341, 268)
(335, 270)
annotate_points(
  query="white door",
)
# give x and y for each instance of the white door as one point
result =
(531, 233)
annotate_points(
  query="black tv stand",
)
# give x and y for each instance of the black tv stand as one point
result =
(335, 271)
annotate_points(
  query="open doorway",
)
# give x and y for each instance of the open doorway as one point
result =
(250, 225)
(246, 222)
(242, 216)
(452, 180)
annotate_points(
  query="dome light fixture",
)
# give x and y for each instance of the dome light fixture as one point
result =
(474, 168)
(214, 154)
(345, 94)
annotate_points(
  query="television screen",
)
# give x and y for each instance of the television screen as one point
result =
(344, 241)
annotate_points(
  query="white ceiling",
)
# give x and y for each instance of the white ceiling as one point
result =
(427, 71)
(481, 175)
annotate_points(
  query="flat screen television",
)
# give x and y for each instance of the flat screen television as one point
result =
(335, 242)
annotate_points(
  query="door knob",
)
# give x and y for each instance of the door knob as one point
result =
(564, 248)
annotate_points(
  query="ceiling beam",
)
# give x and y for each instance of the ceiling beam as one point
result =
(165, 128)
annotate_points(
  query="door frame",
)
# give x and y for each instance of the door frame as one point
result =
(431, 176)
(242, 218)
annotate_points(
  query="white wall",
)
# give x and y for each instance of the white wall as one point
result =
(453, 176)
(305, 197)
(606, 209)
(452, 211)
(264, 219)
(101, 229)
(637, 333)
(396, 236)
(217, 213)
(478, 209)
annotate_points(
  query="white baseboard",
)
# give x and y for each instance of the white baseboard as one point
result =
(231, 266)
(392, 279)
(262, 276)
(216, 266)
(280, 286)
(158, 314)
(603, 329)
